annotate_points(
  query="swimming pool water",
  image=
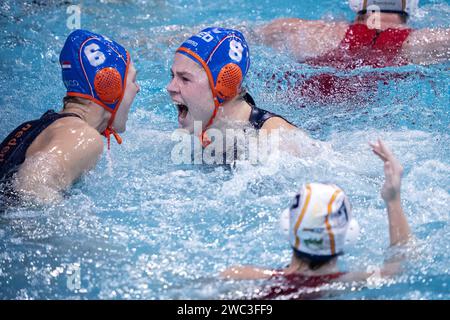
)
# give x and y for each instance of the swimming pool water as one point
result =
(140, 227)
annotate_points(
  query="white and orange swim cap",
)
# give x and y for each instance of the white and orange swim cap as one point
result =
(319, 222)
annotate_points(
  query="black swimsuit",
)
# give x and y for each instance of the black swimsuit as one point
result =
(257, 119)
(14, 148)
(259, 116)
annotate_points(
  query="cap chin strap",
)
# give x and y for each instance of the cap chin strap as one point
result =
(109, 129)
(107, 133)
(204, 137)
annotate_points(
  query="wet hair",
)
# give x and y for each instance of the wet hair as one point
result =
(314, 262)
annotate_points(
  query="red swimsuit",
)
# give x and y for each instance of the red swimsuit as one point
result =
(362, 46)
(295, 286)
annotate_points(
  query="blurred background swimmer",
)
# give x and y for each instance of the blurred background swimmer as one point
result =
(376, 38)
(319, 225)
(43, 157)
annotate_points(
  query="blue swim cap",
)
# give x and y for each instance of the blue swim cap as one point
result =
(95, 68)
(224, 55)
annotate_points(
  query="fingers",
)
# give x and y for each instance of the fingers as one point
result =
(372, 145)
(376, 148)
(387, 152)
(381, 150)
(380, 155)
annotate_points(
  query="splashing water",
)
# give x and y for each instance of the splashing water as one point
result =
(139, 226)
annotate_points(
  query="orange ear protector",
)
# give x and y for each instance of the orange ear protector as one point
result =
(108, 85)
(228, 81)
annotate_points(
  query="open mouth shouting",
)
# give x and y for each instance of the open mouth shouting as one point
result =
(182, 112)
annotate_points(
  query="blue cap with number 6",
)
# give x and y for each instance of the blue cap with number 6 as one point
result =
(224, 55)
(95, 68)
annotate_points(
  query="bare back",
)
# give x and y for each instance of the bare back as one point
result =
(57, 157)
(304, 38)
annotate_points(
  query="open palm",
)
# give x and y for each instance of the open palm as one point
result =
(393, 171)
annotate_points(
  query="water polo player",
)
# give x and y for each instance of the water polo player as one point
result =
(43, 157)
(319, 224)
(206, 86)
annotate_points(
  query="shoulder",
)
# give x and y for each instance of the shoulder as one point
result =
(310, 29)
(75, 145)
(277, 123)
(71, 134)
(416, 36)
(329, 28)
(427, 35)
(425, 46)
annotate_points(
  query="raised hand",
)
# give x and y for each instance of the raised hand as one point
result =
(393, 171)
(399, 231)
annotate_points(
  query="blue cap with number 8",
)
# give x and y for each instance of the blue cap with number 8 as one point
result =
(95, 68)
(224, 54)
